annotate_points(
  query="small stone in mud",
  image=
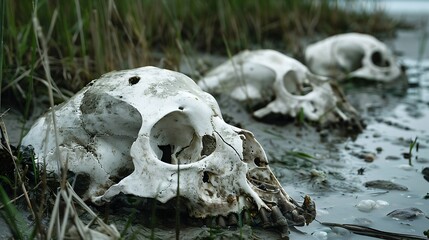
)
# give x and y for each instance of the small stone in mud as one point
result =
(365, 155)
(369, 157)
(366, 205)
(386, 185)
(422, 160)
(376, 135)
(406, 213)
(425, 173)
(406, 155)
(324, 135)
(392, 158)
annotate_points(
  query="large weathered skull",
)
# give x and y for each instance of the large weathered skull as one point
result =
(151, 133)
(352, 55)
(260, 76)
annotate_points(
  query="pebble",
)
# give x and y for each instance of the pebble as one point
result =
(368, 205)
(406, 167)
(425, 171)
(369, 157)
(406, 213)
(385, 185)
(392, 158)
(320, 235)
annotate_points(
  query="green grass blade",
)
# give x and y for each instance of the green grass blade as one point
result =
(10, 215)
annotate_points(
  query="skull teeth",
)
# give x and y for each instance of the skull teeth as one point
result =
(221, 221)
(264, 218)
(232, 219)
(278, 217)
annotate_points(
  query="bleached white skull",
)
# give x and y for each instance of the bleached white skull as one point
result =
(261, 76)
(352, 55)
(155, 134)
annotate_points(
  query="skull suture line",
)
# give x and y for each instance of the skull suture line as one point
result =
(130, 131)
(259, 76)
(352, 55)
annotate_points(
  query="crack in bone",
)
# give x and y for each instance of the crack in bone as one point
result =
(223, 140)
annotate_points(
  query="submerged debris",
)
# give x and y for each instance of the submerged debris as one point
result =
(386, 185)
(406, 213)
(425, 173)
(372, 232)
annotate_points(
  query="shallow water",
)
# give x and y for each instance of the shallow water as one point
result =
(394, 117)
(392, 122)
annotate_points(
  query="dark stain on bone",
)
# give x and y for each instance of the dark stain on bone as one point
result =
(134, 80)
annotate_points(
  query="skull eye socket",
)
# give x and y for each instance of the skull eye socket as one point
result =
(175, 141)
(294, 86)
(377, 59)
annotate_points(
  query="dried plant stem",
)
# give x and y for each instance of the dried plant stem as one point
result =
(43, 51)
(14, 159)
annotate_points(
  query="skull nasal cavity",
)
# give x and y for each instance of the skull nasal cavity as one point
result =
(258, 162)
(206, 177)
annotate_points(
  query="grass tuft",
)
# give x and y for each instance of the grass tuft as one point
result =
(101, 36)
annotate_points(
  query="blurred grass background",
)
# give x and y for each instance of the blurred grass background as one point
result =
(85, 39)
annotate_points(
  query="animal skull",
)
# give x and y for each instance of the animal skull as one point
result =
(352, 55)
(260, 76)
(150, 132)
